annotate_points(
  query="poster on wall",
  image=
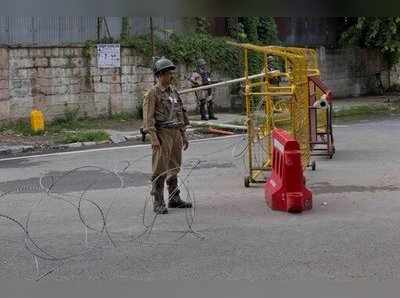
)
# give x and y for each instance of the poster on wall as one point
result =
(108, 55)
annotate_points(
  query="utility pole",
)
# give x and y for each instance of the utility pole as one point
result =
(153, 58)
(152, 36)
(99, 20)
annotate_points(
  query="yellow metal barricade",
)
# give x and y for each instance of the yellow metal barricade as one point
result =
(270, 106)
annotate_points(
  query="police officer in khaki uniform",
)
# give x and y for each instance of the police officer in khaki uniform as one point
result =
(165, 119)
(201, 77)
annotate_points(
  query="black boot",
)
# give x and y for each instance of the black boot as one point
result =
(175, 200)
(210, 106)
(203, 110)
(158, 192)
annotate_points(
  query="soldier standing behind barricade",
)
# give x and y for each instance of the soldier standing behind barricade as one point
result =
(201, 77)
(271, 67)
(165, 119)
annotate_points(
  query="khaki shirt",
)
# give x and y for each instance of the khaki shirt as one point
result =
(197, 81)
(162, 105)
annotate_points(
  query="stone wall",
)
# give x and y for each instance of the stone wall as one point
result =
(4, 92)
(351, 72)
(55, 79)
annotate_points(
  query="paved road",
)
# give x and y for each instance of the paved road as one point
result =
(352, 232)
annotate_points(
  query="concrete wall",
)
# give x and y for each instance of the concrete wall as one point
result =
(351, 72)
(54, 78)
(309, 31)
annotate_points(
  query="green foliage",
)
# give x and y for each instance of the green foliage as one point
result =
(123, 116)
(69, 121)
(87, 50)
(232, 24)
(85, 136)
(202, 25)
(69, 118)
(357, 112)
(250, 25)
(375, 32)
(20, 127)
(267, 31)
(256, 63)
(256, 30)
(236, 29)
(187, 48)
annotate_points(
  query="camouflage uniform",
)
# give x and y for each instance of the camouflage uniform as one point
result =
(201, 77)
(165, 117)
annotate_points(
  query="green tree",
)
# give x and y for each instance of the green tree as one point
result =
(202, 25)
(375, 32)
(267, 31)
(250, 25)
(236, 29)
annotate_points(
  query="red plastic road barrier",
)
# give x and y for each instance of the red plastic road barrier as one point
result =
(285, 190)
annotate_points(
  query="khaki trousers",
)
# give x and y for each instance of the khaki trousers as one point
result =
(167, 159)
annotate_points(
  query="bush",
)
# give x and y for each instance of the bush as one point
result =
(221, 56)
(188, 47)
(251, 25)
(267, 31)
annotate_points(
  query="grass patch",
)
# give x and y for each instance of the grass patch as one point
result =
(59, 125)
(123, 116)
(20, 127)
(119, 119)
(367, 111)
(84, 136)
(71, 130)
(361, 110)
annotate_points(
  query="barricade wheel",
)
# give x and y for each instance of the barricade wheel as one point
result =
(313, 165)
(247, 181)
(331, 153)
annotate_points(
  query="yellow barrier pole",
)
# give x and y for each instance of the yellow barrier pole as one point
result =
(248, 113)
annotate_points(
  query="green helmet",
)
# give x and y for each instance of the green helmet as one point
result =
(163, 64)
(201, 62)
